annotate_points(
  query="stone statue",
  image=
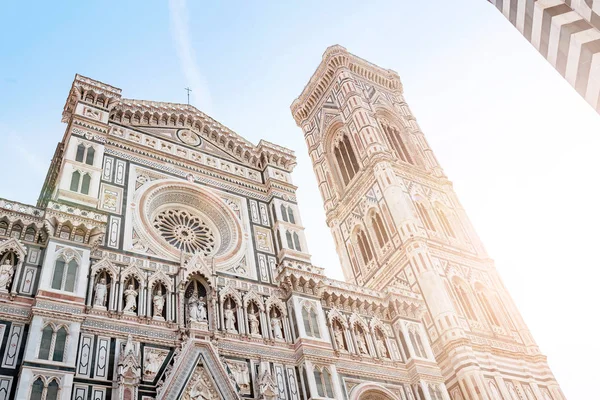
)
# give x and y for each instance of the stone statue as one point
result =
(381, 347)
(276, 325)
(253, 322)
(159, 303)
(361, 343)
(130, 299)
(339, 338)
(193, 309)
(230, 319)
(100, 295)
(6, 273)
(202, 314)
(153, 360)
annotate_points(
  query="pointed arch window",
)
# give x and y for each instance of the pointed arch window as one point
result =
(323, 383)
(424, 214)
(394, 137)
(297, 242)
(75, 178)
(417, 342)
(380, 231)
(291, 215)
(30, 234)
(16, 231)
(311, 322)
(37, 389)
(85, 184)
(489, 311)
(85, 154)
(345, 159)
(65, 274)
(364, 246)
(465, 300)
(3, 228)
(284, 213)
(80, 182)
(445, 223)
(53, 343)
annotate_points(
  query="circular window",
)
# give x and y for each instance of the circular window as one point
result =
(185, 231)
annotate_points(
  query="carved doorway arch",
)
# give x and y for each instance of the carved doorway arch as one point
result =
(372, 391)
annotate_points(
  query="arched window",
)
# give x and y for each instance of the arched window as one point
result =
(345, 159)
(380, 231)
(65, 232)
(75, 178)
(464, 299)
(291, 215)
(311, 323)
(417, 342)
(30, 234)
(445, 223)
(297, 242)
(284, 213)
(52, 391)
(364, 246)
(37, 389)
(89, 157)
(435, 393)
(424, 214)
(290, 241)
(394, 137)
(16, 231)
(79, 235)
(490, 314)
(323, 383)
(85, 184)
(3, 227)
(65, 275)
(80, 152)
(52, 344)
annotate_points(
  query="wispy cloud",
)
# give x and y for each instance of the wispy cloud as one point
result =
(181, 35)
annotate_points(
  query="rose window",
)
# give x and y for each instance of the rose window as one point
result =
(185, 231)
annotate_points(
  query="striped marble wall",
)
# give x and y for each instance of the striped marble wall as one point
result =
(567, 33)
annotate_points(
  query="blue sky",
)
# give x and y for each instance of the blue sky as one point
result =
(520, 145)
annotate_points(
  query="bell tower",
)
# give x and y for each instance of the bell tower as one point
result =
(397, 224)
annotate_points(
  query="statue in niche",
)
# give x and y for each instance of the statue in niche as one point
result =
(6, 273)
(276, 325)
(100, 295)
(159, 303)
(202, 314)
(381, 347)
(253, 321)
(338, 334)
(193, 309)
(230, 319)
(241, 375)
(130, 299)
(361, 343)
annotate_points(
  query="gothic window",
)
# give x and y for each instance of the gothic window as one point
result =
(364, 246)
(311, 323)
(380, 231)
(3, 227)
(291, 215)
(445, 223)
(435, 393)
(394, 137)
(30, 234)
(424, 214)
(80, 152)
(464, 298)
(37, 389)
(53, 343)
(489, 311)
(297, 242)
(85, 154)
(345, 159)
(323, 383)
(80, 182)
(16, 231)
(79, 235)
(284, 213)
(64, 275)
(417, 342)
(52, 390)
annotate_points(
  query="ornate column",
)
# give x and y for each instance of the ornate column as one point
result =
(245, 316)
(349, 339)
(112, 294)
(181, 302)
(266, 324)
(169, 297)
(354, 344)
(425, 390)
(332, 337)
(148, 302)
(287, 330)
(90, 289)
(120, 306)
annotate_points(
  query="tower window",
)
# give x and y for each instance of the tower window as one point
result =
(53, 343)
(464, 300)
(424, 214)
(323, 383)
(364, 246)
(417, 342)
(85, 153)
(79, 183)
(64, 275)
(297, 242)
(284, 213)
(445, 223)
(394, 137)
(346, 159)
(311, 323)
(489, 311)
(380, 231)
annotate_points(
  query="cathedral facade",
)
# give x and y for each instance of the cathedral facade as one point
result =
(166, 259)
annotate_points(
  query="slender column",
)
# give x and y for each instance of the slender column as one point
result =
(148, 303)
(111, 296)
(472, 392)
(287, 329)
(120, 307)
(349, 339)
(90, 290)
(355, 345)
(179, 310)
(332, 336)
(266, 326)
(169, 300)
(484, 388)
(241, 326)
(425, 389)
(221, 314)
